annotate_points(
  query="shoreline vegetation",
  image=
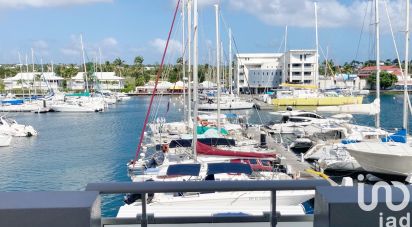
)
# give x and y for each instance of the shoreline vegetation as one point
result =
(138, 73)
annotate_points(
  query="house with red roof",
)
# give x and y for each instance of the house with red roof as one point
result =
(365, 72)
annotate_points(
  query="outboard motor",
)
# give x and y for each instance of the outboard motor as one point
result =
(289, 108)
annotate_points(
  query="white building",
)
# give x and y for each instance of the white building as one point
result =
(260, 71)
(34, 81)
(301, 66)
(106, 81)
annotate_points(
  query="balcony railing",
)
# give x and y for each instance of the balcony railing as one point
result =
(145, 188)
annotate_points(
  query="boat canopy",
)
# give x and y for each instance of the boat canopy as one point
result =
(183, 170)
(208, 141)
(209, 150)
(203, 129)
(81, 94)
(230, 168)
(399, 136)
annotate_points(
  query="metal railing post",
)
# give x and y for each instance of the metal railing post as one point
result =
(144, 215)
(273, 215)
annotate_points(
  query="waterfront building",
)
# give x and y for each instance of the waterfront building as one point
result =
(341, 80)
(365, 72)
(301, 67)
(107, 81)
(34, 81)
(257, 72)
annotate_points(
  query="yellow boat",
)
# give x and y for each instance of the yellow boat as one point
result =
(318, 101)
(308, 95)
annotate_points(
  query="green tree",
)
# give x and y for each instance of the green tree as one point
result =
(386, 80)
(138, 60)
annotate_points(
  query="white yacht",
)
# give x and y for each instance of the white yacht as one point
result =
(387, 158)
(206, 204)
(11, 127)
(229, 102)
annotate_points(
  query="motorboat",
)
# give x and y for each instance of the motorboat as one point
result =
(230, 102)
(11, 127)
(206, 204)
(383, 157)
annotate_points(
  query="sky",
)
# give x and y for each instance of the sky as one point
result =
(128, 28)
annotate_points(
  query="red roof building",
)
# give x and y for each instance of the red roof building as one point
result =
(365, 72)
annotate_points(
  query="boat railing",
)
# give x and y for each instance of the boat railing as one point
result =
(145, 188)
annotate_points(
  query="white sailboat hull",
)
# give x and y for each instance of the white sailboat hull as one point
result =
(238, 105)
(387, 158)
(74, 108)
(209, 204)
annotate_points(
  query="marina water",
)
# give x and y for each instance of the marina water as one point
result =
(75, 149)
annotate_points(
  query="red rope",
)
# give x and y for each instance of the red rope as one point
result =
(155, 87)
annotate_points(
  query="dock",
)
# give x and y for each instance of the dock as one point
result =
(295, 164)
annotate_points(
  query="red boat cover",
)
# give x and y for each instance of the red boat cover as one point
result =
(204, 149)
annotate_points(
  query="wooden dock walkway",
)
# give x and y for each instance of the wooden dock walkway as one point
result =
(294, 164)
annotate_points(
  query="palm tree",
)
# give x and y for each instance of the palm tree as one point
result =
(119, 64)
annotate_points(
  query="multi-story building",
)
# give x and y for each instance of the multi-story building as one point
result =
(301, 67)
(259, 71)
(34, 81)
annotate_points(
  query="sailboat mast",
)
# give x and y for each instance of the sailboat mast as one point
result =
(195, 77)
(184, 56)
(189, 44)
(378, 68)
(284, 55)
(218, 66)
(21, 73)
(230, 62)
(315, 81)
(405, 79)
(84, 63)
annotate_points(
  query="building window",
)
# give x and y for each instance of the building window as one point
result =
(296, 65)
(308, 73)
(308, 65)
(300, 57)
(305, 57)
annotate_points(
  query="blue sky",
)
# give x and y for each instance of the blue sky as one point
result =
(127, 28)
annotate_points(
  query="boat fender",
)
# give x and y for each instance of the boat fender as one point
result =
(165, 148)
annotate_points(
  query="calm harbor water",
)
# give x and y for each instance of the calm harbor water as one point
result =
(73, 150)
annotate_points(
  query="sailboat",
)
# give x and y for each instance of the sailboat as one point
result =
(394, 156)
(214, 203)
(224, 102)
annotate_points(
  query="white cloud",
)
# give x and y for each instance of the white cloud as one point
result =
(331, 13)
(45, 3)
(160, 44)
(40, 44)
(109, 42)
(69, 51)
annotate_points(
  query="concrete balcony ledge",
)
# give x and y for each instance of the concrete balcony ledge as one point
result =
(41, 209)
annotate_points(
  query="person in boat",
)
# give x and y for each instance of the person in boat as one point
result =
(159, 157)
